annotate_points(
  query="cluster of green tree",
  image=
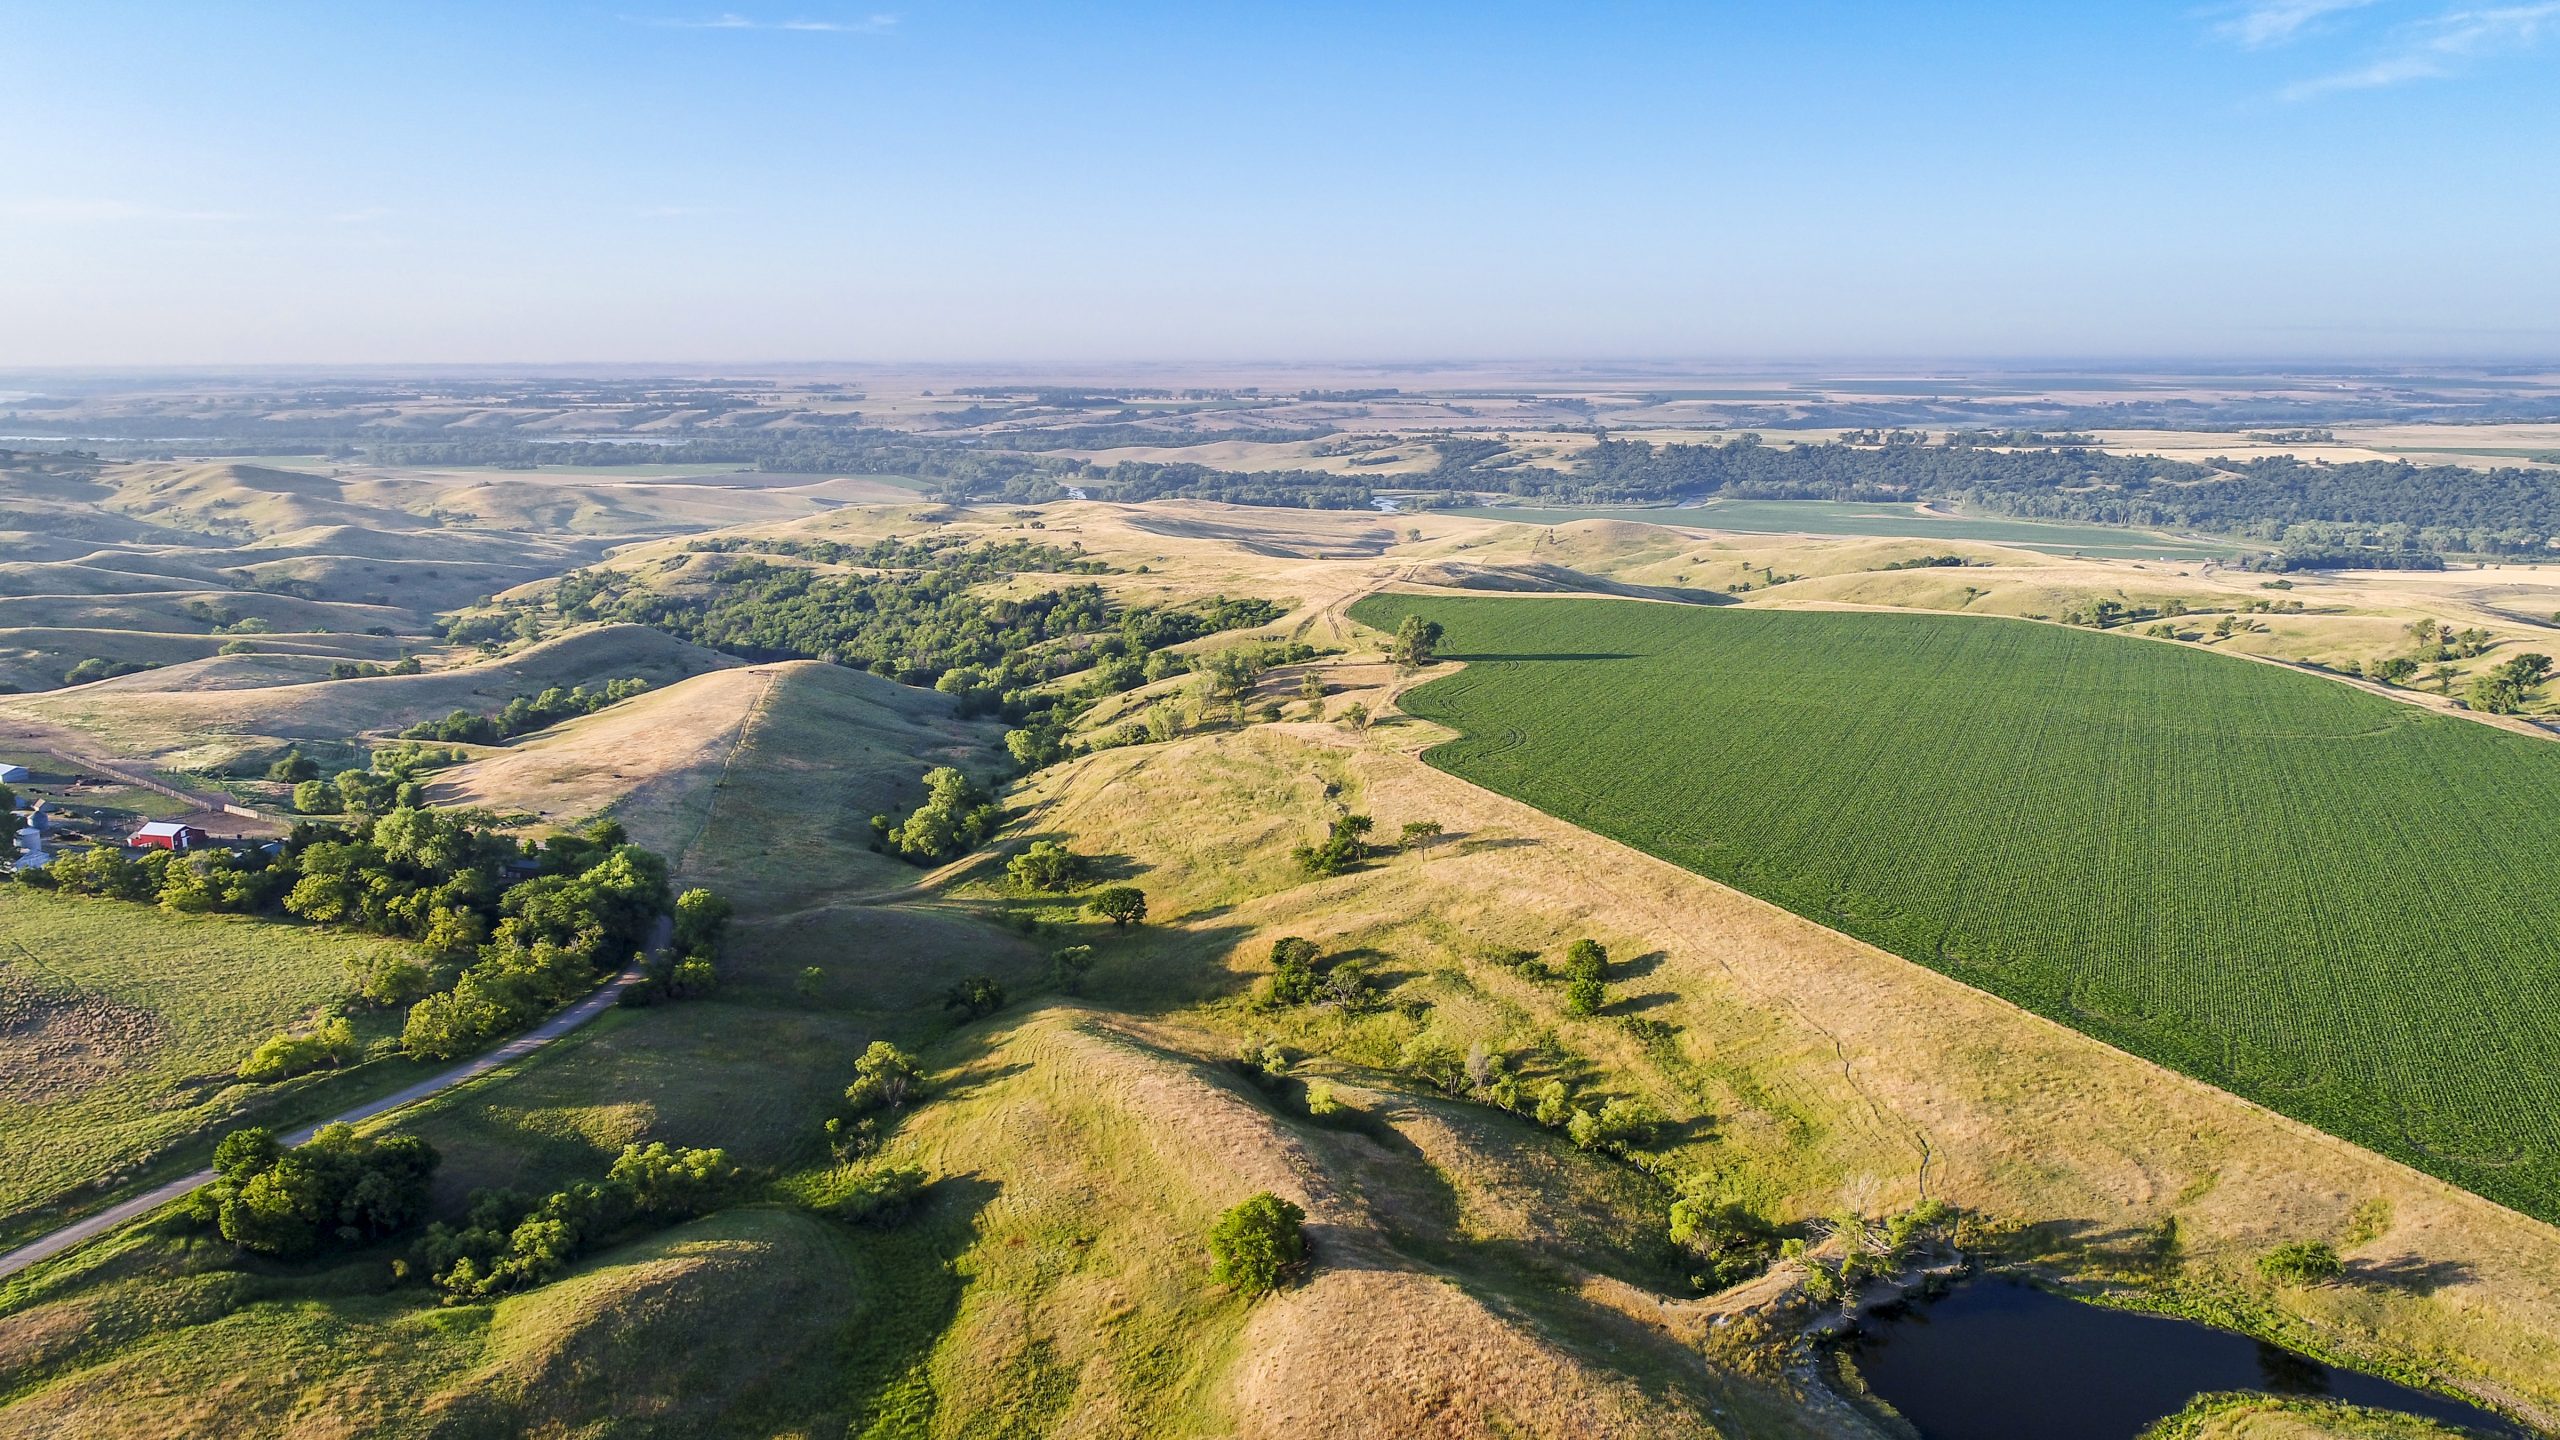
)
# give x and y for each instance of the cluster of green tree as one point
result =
(1729, 1241)
(1416, 641)
(690, 969)
(920, 624)
(1222, 681)
(1299, 977)
(1927, 562)
(355, 791)
(1122, 905)
(2341, 557)
(489, 629)
(1140, 480)
(511, 1242)
(2014, 437)
(389, 781)
(974, 997)
(525, 713)
(1056, 398)
(341, 1189)
(200, 882)
(223, 620)
(1846, 1249)
(2506, 688)
(1116, 435)
(909, 626)
(556, 934)
(1618, 1125)
(2434, 640)
(953, 554)
(437, 877)
(331, 1043)
(956, 817)
(879, 1195)
(1586, 971)
(2512, 510)
(97, 668)
(1725, 1239)
(497, 453)
(1344, 847)
(368, 670)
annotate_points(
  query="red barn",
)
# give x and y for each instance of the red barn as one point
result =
(166, 836)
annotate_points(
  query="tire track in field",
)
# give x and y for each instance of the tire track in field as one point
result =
(737, 746)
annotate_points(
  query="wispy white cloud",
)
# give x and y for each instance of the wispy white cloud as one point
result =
(2439, 48)
(2262, 23)
(60, 210)
(866, 25)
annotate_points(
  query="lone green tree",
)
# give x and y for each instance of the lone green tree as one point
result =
(885, 1078)
(1258, 1245)
(1415, 641)
(1122, 905)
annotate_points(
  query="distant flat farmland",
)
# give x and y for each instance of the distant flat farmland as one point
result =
(1850, 517)
(2343, 907)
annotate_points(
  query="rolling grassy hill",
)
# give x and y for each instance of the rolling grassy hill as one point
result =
(759, 781)
(2312, 896)
(107, 560)
(191, 718)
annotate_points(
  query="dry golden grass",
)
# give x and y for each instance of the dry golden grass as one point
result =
(1815, 1061)
(204, 728)
(1105, 1150)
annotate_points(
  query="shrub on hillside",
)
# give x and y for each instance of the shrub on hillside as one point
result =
(1047, 865)
(332, 1043)
(2303, 1262)
(1258, 1245)
(879, 1197)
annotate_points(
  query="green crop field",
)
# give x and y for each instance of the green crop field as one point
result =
(1854, 518)
(2340, 906)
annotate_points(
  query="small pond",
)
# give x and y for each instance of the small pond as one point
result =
(1998, 1360)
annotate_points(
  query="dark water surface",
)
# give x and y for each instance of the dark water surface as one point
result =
(1997, 1360)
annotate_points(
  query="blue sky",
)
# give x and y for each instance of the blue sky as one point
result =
(747, 180)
